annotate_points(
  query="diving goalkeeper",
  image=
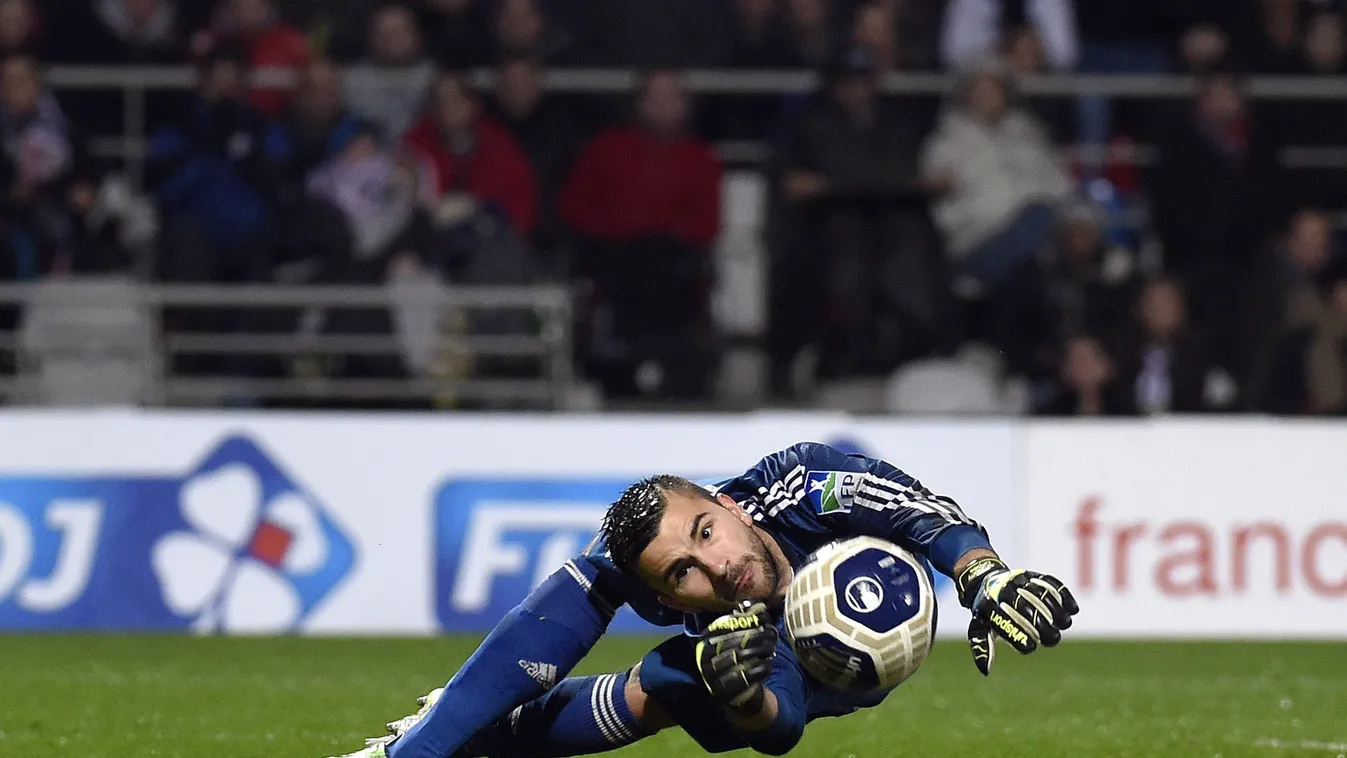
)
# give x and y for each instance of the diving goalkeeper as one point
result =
(718, 561)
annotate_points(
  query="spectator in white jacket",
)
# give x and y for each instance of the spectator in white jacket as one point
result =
(996, 178)
(975, 29)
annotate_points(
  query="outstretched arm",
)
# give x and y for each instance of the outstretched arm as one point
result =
(542, 638)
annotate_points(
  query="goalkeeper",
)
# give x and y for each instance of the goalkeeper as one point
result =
(719, 562)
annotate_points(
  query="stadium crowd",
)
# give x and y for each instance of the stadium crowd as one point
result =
(897, 228)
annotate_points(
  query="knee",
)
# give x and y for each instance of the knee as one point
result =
(642, 706)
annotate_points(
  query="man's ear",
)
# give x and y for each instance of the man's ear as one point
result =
(728, 504)
(674, 604)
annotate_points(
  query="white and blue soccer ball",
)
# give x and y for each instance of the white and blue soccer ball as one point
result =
(861, 614)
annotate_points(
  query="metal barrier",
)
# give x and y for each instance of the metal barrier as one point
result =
(99, 323)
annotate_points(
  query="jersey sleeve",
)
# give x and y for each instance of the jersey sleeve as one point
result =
(851, 494)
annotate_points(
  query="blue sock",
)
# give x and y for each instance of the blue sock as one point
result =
(581, 715)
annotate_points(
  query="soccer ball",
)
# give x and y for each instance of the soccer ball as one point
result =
(860, 614)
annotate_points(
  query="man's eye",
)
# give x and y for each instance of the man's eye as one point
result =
(706, 533)
(682, 574)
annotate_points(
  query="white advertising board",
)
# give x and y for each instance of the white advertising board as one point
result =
(1192, 528)
(373, 524)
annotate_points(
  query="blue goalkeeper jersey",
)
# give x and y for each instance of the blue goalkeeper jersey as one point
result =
(806, 496)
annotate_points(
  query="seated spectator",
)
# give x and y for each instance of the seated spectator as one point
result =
(1163, 361)
(974, 29)
(1325, 48)
(523, 30)
(1086, 383)
(35, 169)
(809, 33)
(996, 178)
(1024, 56)
(547, 132)
(1267, 34)
(211, 178)
(868, 256)
(1308, 374)
(1083, 285)
(759, 35)
(1283, 273)
(1213, 201)
(311, 131)
(475, 164)
(457, 32)
(646, 200)
(255, 26)
(389, 86)
(21, 28)
(121, 31)
(900, 34)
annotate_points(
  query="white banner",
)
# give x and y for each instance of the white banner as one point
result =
(1194, 528)
(387, 524)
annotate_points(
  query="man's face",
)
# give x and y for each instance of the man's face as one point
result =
(518, 88)
(394, 37)
(707, 556)
(319, 94)
(20, 86)
(454, 107)
(663, 105)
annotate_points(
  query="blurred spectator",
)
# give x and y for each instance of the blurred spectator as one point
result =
(21, 28)
(522, 29)
(874, 28)
(900, 34)
(35, 172)
(1024, 56)
(121, 31)
(1084, 285)
(271, 43)
(1283, 273)
(656, 33)
(311, 131)
(1211, 201)
(1268, 35)
(1086, 382)
(1325, 49)
(759, 39)
(809, 32)
(389, 87)
(457, 32)
(868, 252)
(547, 132)
(1308, 374)
(996, 177)
(645, 199)
(1163, 360)
(974, 30)
(473, 158)
(211, 178)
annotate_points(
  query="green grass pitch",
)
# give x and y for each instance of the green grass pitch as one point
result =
(124, 696)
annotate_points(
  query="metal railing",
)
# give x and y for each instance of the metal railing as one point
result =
(83, 312)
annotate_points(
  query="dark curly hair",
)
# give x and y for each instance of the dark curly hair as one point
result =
(632, 522)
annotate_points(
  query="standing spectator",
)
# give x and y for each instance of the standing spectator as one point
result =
(1283, 273)
(646, 200)
(851, 166)
(312, 130)
(1309, 368)
(457, 32)
(1086, 383)
(211, 178)
(21, 28)
(389, 87)
(1163, 360)
(271, 43)
(38, 158)
(1211, 197)
(121, 32)
(470, 155)
(546, 131)
(974, 30)
(996, 178)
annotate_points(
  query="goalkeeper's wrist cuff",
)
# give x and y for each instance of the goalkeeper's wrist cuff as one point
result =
(970, 579)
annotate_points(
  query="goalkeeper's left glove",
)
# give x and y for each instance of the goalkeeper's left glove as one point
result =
(735, 658)
(1023, 607)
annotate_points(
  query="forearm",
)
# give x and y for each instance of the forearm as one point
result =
(776, 728)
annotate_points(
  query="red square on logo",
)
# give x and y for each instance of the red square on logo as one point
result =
(270, 543)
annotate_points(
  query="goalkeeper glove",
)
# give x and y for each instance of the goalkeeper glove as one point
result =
(735, 655)
(1023, 607)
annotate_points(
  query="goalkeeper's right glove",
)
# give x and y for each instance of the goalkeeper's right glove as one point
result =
(735, 658)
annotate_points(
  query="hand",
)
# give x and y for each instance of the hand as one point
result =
(1023, 607)
(735, 658)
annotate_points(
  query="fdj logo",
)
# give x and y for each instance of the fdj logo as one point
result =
(233, 545)
(498, 539)
(831, 491)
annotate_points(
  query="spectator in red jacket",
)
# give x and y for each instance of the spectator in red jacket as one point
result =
(645, 199)
(270, 41)
(473, 157)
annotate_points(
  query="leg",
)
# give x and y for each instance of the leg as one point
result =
(993, 261)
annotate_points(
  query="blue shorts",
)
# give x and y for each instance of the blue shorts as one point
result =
(669, 676)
